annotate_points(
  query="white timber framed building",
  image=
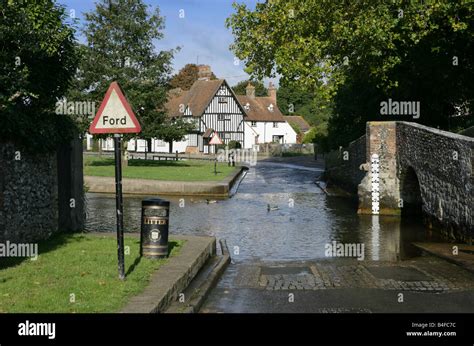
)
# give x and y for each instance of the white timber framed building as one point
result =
(214, 108)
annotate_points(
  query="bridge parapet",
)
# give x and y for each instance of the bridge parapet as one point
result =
(421, 168)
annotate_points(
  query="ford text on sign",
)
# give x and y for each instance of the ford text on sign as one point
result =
(115, 114)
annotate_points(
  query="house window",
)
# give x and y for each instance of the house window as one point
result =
(277, 139)
(222, 117)
(275, 124)
(222, 99)
(254, 124)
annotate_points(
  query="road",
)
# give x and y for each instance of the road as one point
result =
(389, 279)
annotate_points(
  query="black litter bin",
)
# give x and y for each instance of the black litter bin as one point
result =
(154, 230)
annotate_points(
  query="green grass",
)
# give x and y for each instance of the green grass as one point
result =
(75, 264)
(191, 170)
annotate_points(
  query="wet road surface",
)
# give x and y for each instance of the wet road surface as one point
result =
(277, 228)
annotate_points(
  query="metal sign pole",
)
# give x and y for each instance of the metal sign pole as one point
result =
(215, 159)
(119, 204)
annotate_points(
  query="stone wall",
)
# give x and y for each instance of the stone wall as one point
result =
(425, 167)
(28, 195)
(343, 166)
(444, 165)
(40, 194)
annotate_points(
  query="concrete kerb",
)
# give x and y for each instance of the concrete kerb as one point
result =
(174, 276)
(201, 289)
(462, 258)
(197, 301)
(160, 187)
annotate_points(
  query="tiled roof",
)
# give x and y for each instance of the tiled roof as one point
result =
(201, 93)
(258, 109)
(208, 133)
(299, 121)
(196, 98)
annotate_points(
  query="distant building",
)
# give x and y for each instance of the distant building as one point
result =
(300, 123)
(264, 122)
(213, 106)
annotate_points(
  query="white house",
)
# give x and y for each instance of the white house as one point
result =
(213, 106)
(264, 122)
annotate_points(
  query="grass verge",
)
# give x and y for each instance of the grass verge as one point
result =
(190, 170)
(76, 273)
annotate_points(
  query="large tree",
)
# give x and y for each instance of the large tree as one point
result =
(363, 52)
(175, 130)
(120, 47)
(37, 62)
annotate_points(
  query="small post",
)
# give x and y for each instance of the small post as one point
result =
(176, 155)
(215, 159)
(119, 204)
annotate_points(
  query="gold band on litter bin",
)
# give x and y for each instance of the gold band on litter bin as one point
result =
(154, 254)
(160, 221)
(155, 246)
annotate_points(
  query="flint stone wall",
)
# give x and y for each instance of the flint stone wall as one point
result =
(28, 195)
(345, 170)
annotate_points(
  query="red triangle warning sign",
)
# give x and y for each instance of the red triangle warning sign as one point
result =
(115, 114)
(215, 139)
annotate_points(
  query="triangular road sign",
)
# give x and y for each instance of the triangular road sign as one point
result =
(115, 114)
(215, 139)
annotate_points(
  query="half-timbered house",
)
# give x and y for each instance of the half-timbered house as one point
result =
(214, 108)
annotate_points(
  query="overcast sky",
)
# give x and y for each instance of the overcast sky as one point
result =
(201, 34)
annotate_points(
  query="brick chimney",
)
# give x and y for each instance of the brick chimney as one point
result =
(272, 92)
(250, 91)
(204, 72)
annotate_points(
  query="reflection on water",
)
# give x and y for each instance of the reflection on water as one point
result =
(302, 219)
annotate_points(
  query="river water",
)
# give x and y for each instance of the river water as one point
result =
(301, 221)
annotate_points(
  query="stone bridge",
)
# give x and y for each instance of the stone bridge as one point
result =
(408, 168)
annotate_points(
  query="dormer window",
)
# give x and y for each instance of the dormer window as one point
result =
(270, 107)
(247, 106)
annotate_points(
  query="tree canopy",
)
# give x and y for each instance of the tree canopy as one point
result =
(359, 53)
(120, 47)
(37, 62)
(186, 77)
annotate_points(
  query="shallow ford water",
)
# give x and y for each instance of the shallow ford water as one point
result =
(301, 222)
